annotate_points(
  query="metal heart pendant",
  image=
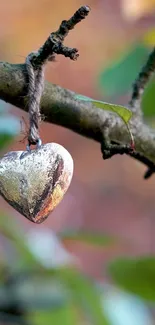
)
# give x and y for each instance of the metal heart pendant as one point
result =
(35, 182)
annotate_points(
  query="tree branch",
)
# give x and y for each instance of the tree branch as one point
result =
(60, 106)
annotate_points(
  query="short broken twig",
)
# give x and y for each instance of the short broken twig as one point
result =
(54, 43)
(138, 156)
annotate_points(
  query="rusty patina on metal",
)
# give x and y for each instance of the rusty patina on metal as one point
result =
(35, 182)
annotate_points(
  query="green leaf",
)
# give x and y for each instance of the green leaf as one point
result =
(135, 275)
(124, 113)
(119, 76)
(88, 237)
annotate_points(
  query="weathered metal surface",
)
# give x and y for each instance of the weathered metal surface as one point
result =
(35, 182)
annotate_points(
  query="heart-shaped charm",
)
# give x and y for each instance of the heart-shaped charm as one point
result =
(35, 182)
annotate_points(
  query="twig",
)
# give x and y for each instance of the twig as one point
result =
(145, 161)
(141, 158)
(54, 43)
(135, 102)
(111, 148)
(35, 62)
(141, 82)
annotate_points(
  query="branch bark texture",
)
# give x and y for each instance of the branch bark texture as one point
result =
(59, 106)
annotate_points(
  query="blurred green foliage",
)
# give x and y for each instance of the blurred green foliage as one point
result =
(9, 126)
(136, 275)
(148, 100)
(118, 77)
(42, 294)
(89, 237)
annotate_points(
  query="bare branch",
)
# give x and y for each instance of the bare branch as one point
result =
(54, 43)
(141, 82)
(136, 98)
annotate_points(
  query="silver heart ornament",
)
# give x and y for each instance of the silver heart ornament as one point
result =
(35, 182)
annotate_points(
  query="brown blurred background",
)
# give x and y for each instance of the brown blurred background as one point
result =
(106, 196)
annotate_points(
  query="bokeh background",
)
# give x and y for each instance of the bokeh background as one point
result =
(108, 211)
